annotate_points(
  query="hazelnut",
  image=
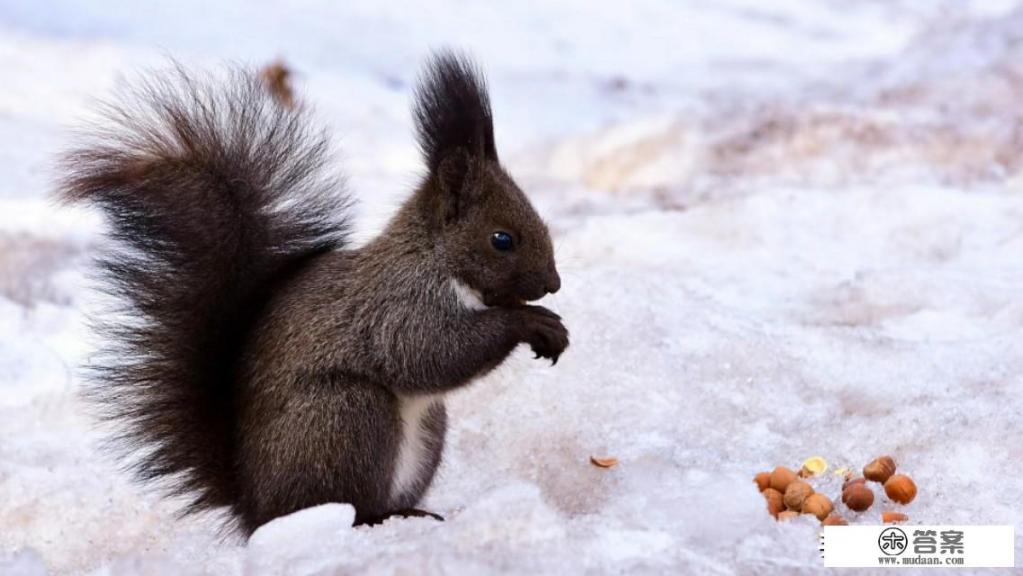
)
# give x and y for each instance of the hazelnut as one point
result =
(853, 481)
(819, 505)
(858, 497)
(834, 520)
(893, 517)
(763, 480)
(787, 515)
(775, 502)
(900, 488)
(781, 477)
(880, 469)
(796, 493)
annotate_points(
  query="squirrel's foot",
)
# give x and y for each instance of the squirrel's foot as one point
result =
(405, 513)
(544, 332)
(417, 513)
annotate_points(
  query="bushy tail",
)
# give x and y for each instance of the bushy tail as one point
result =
(215, 193)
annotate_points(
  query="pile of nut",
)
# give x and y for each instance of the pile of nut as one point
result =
(788, 494)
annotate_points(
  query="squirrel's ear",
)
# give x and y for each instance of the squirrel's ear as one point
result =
(453, 184)
(452, 111)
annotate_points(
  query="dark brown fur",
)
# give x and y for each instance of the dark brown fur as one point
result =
(266, 368)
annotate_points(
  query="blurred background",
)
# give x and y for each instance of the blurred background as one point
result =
(786, 228)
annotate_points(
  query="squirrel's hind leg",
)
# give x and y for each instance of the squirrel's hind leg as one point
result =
(317, 441)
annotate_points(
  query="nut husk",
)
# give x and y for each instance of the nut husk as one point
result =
(813, 466)
(763, 480)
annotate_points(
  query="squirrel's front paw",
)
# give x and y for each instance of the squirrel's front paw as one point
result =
(544, 332)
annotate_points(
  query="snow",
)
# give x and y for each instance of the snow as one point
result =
(784, 229)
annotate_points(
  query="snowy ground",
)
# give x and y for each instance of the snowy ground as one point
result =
(785, 229)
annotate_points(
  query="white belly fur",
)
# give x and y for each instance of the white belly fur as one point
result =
(414, 449)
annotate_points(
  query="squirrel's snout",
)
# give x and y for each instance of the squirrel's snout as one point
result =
(553, 282)
(535, 286)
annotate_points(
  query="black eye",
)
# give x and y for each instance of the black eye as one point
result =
(501, 241)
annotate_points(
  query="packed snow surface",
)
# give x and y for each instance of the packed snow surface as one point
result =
(785, 229)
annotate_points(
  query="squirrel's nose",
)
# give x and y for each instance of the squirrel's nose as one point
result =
(553, 282)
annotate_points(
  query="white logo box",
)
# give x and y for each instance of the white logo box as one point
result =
(918, 546)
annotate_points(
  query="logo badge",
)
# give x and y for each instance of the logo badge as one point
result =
(893, 541)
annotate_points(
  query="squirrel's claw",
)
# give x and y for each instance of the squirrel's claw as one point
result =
(545, 333)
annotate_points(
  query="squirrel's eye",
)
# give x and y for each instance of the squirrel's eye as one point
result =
(501, 241)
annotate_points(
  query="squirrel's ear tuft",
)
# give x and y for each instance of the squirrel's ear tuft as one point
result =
(452, 110)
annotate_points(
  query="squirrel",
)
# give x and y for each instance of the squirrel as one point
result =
(261, 364)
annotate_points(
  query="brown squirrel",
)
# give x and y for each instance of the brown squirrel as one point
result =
(262, 364)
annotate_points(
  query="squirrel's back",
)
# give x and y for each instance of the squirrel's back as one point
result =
(216, 193)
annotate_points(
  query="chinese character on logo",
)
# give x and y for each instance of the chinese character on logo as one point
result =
(893, 541)
(925, 542)
(951, 542)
